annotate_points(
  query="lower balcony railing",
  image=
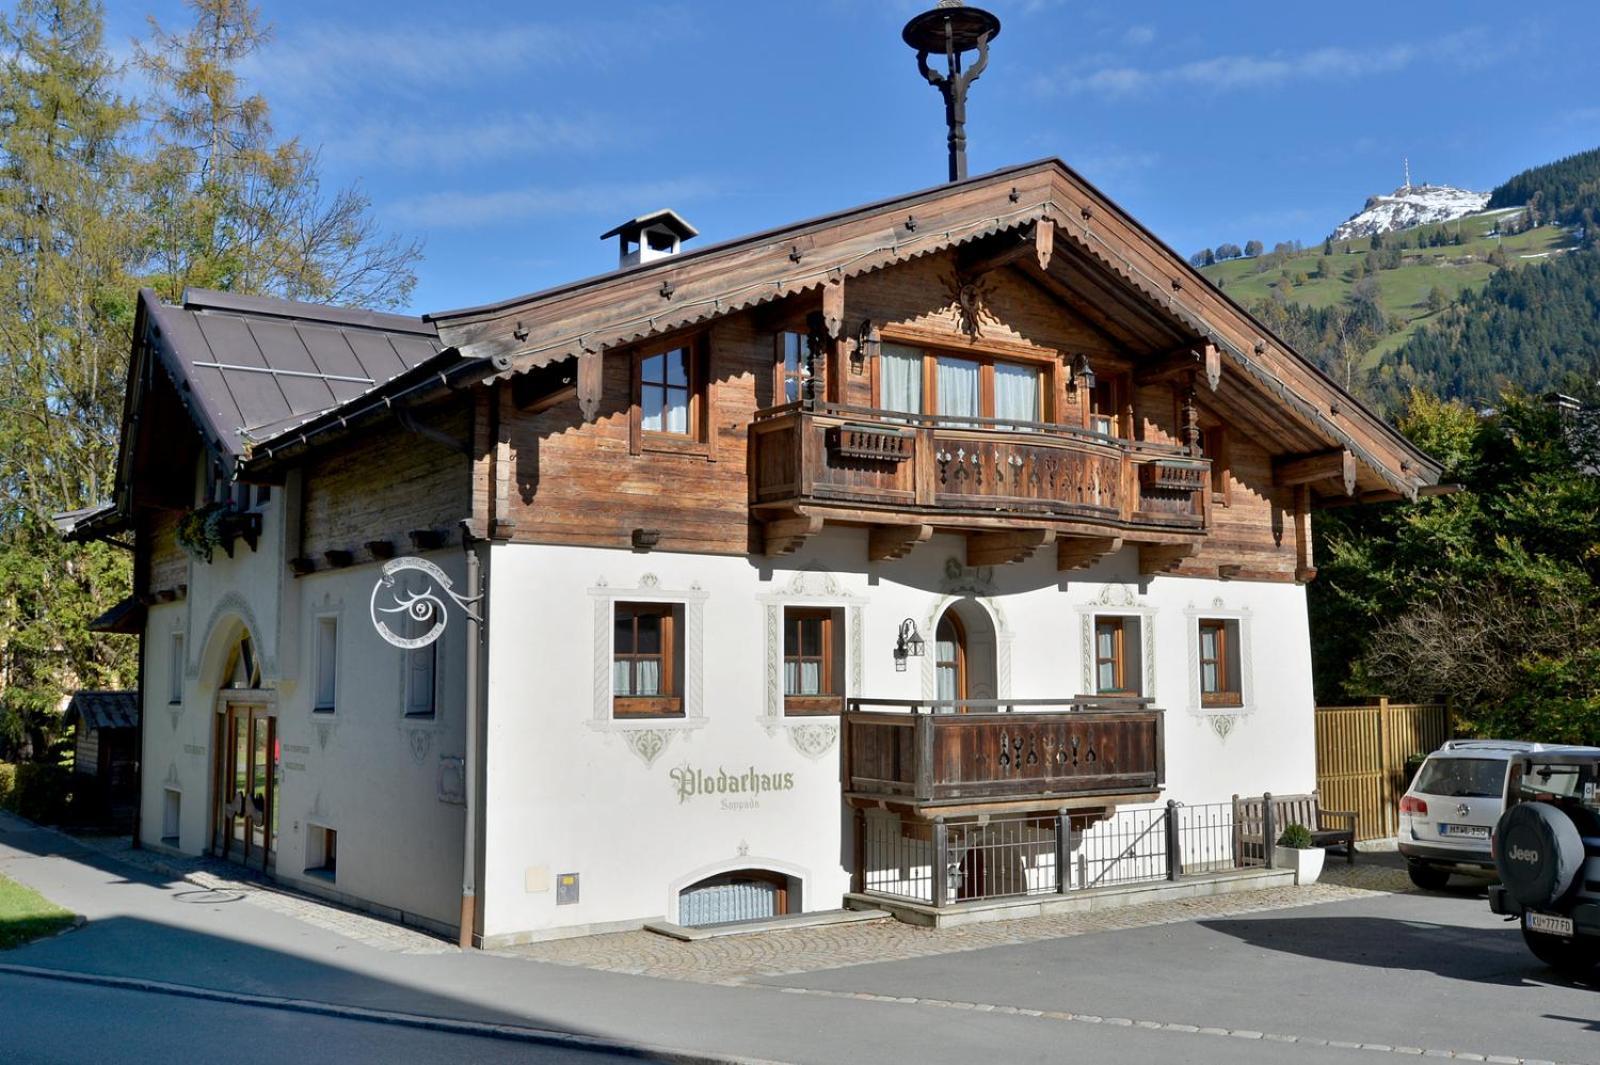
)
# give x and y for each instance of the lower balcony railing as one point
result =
(962, 752)
(940, 862)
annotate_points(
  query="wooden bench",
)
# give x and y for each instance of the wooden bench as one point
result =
(1258, 821)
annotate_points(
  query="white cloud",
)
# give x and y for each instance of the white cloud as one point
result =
(467, 210)
(1225, 73)
(1138, 36)
(446, 143)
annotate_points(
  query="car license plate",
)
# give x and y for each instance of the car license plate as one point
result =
(1550, 923)
(1468, 831)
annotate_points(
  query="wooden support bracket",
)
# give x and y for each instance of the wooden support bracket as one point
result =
(589, 377)
(1337, 464)
(1004, 548)
(888, 542)
(833, 307)
(783, 536)
(1305, 567)
(1160, 558)
(1078, 552)
(1044, 241)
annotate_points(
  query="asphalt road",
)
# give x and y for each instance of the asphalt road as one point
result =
(1408, 972)
(47, 1022)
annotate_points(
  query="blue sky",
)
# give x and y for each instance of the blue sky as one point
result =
(508, 136)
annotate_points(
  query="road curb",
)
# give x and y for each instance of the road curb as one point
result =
(478, 1029)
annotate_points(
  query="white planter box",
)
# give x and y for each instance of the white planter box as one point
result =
(1307, 864)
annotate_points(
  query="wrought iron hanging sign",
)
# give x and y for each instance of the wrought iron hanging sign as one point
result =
(426, 607)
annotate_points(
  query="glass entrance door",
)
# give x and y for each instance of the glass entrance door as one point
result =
(247, 815)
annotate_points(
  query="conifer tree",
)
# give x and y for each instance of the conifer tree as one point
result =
(66, 227)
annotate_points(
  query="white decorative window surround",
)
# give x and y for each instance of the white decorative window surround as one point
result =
(647, 737)
(1222, 719)
(811, 736)
(1002, 648)
(1120, 601)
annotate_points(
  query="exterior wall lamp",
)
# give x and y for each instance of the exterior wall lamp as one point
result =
(867, 346)
(908, 644)
(1081, 374)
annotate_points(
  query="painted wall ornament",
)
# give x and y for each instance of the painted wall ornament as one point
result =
(425, 607)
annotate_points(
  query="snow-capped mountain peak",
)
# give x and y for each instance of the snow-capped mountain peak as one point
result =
(1411, 205)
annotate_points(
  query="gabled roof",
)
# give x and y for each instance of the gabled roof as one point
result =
(251, 367)
(1098, 248)
(100, 710)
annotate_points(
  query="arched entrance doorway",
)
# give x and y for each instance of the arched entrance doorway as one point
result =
(245, 816)
(964, 653)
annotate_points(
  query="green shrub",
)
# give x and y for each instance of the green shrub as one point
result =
(1296, 836)
(8, 781)
(39, 792)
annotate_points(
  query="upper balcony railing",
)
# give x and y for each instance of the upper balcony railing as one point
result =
(940, 467)
(977, 751)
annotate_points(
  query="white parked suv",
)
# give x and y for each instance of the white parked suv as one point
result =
(1450, 810)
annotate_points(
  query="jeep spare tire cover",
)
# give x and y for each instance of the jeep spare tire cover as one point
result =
(1538, 852)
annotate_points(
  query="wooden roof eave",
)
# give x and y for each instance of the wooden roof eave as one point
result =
(630, 306)
(1171, 300)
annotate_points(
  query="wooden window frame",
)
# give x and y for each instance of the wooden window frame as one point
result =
(1119, 655)
(780, 367)
(1120, 387)
(832, 701)
(651, 706)
(697, 441)
(1230, 689)
(960, 662)
(1214, 446)
(1044, 365)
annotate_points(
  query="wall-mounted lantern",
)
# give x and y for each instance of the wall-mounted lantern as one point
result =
(907, 645)
(867, 346)
(1081, 374)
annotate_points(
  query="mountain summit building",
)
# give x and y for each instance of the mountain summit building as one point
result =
(974, 503)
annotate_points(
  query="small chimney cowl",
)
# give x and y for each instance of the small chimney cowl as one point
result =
(650, 237)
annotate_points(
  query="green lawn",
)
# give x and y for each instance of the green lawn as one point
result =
(25, 914)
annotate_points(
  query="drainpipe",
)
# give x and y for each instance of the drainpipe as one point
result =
(471, 770)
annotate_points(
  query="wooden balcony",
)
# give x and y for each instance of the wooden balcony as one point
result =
(1019, 752)
(1014, 486)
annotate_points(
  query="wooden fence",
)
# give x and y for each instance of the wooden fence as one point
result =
(1361, 757)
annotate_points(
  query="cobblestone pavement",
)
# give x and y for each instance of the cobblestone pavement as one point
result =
(737, 959)
(225, 877)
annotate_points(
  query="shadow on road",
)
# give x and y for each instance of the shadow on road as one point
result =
(1479, 955)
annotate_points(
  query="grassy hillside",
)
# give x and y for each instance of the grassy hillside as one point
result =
(1403, 291)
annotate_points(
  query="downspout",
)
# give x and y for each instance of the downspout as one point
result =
(471, 770)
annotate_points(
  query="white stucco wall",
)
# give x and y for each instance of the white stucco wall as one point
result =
(366, 770)
(569, 790)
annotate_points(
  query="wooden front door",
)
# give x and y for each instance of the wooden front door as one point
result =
(247, 816)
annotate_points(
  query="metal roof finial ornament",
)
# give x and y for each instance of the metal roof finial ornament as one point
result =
(953, 29)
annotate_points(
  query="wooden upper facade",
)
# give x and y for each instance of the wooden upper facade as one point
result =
(1011, 359)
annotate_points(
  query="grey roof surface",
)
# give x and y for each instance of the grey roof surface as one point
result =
(100, 710)
(255, 367)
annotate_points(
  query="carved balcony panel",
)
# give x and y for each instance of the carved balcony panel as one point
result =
(864, 466)
(967, 753)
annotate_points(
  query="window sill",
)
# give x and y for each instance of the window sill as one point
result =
(327, 710)
(813, 706)
(421, 717)
(635, 709)
(672, 444)
(327, 875)
(1229, 701)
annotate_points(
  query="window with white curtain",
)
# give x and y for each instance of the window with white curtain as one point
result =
(957, 385)
(900, 379)
(664, 391)
(645, 664)
(1016, 392)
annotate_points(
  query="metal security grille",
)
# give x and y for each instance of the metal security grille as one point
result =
(729, 899)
